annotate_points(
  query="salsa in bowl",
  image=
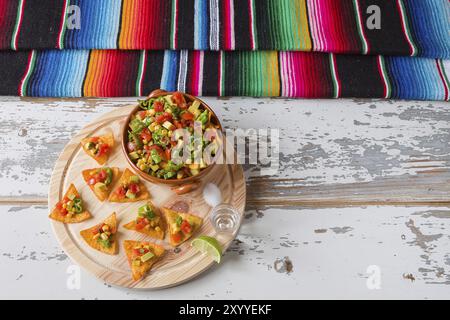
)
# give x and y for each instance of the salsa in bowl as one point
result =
(166, 138)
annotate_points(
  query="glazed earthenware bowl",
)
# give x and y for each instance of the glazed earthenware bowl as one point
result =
(188, 182)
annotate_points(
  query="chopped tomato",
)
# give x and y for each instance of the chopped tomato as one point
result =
(136, 252)
(102, 175)
(134, 188)
(176, 237)
(159, 107)
(121, 191)
(168, 154)
(103, 149)
(178, 124)
(163, 117)
(168, 116)
(142, 114)
(140, 226)
(98, 229)
(157, 148)
(187, 116)
(146, 134)
(60, 208)
(183, 106)
(186, 227)
(141, 223)
(178, 98)
(160, 119)
(95, 139)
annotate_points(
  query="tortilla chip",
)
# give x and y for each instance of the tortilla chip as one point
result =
(102, 195)
(149, 232)
(75, 218)
(143, 194)
(171, 217)
(139, 272)
(108, 139)
(88, 234)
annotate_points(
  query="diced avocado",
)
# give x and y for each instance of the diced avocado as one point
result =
(136, 263)
(130, 195)
(169, 174)
(77, 205)
(154, 167)
(137, 140)
(203, 117)
(89, 145)
(167, 124)
(100, 187)
(109, 176)
(179, 220)
(168, 99)
(134, 155)
(175, 227)
(105, 243)
(144, 209)
(155, 156)
(143, 166)
(134, 179)
(148, 121)
(195, 172)
(194, 108)
(147, 256)
(137, 125)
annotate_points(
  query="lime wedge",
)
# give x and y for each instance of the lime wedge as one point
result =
(208, 245)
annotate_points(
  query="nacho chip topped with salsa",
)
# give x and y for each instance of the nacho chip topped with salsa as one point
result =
(98, 147)
(129, 188)
(141, 256)
(102, 237)
(148, 222)
(181, 225)
(70, 209)
(101, 180)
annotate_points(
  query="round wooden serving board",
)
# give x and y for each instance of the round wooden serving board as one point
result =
(177, 266)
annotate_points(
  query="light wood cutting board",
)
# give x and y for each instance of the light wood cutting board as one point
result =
(178, 265)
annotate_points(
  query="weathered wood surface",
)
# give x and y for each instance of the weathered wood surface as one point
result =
(332, 252)
(334, 154)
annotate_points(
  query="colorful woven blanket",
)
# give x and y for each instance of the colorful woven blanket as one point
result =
(290, 48)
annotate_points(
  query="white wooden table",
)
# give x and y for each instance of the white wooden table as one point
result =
(359, 207)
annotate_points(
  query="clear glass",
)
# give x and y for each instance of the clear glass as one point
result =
(225, 218)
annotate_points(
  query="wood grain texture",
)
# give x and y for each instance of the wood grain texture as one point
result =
(332, 152)
(349, 151)
(177, 266)
(330, 249)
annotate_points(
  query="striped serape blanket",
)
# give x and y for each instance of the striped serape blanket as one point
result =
(290, 48)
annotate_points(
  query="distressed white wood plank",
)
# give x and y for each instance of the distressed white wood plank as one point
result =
(323, 142)
(330, 250)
